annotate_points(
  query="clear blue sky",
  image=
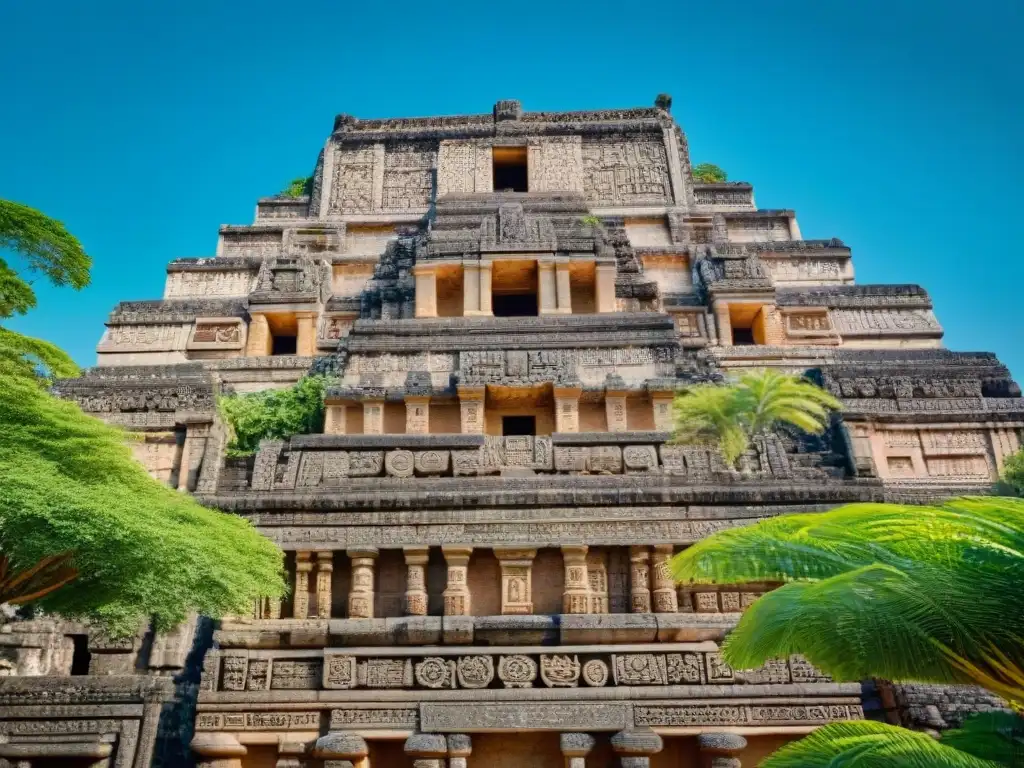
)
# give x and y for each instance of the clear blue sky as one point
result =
(896, 126)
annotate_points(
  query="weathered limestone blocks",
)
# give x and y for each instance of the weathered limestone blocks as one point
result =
(428, 750)
(634, 747)
(720, 750)
(360, 598)
(342, 750)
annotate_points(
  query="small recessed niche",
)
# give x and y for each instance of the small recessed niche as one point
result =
(510, 169)
(512, 426)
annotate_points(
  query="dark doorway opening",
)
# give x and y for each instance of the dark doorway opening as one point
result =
(284, 345)
(510, 169)
(514, 305)
(512, 426)
(80, 656)
(742, 337)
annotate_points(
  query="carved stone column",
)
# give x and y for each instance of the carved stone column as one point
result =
(615, 410)
(661, 403)
(723, 322)
(563, 287)
(635, 747)
(575, 748)
(324, 572)
(342, 750)
(300, 600)
(516, 580)
(416, 580)
(426, 290)
(604, 287)
(305, 338)
(218, 750)
(576, 594)
(273, 608)
(336, 419)
(427, 750)
(567, 409)
(259, 341)
(417, 415)
(456, 593)
(639, 580)
(720, 750)
(360, 596)
(664, 588)
(470, 288)
(291, 754)
(597, 575)
(471, 407)
(460, 747)
(546, 292)
(485, 289)
(373, 417)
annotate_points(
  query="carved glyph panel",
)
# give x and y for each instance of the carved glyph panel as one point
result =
(556, 165)
(358, 180)
(881, 322)
(626, 171)
(813, 271)
(463, 167)
(408, 176)
(759, 230)
(254, 243)
(181, 285)
(144, 338)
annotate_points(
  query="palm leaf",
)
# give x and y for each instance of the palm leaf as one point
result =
(881, 590)
(997, 736)
(866, 744)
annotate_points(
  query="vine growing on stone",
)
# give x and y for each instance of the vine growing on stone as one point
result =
(273, 414)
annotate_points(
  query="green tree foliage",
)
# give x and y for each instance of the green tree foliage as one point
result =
(709, 173)
(729, 416)
(929, 593)
(1012, 481)
(273, 414)
(85, 532)
(900, 592)
(868, 744)
(298, 187)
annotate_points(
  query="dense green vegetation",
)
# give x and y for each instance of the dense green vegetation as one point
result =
(298, 187)
(709, 173)
(729, 416)
(1012, 480)
(273, 414)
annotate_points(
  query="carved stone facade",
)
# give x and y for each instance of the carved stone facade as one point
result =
(478, 543)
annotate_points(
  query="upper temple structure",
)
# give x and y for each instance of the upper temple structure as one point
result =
(477, 543)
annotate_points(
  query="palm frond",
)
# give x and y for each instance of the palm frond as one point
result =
(867, 744)
(996, 736)
(881, 590)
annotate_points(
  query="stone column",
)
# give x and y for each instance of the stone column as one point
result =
(259, 342)
(516, 580)
(300, 600)
(575, 748)
(546, 293)
(373, 417)
(460, 747)
(427, 750)
(470, 288)
(639, 580)
(720, 750)
(416, 580)
(635, 747)
(218, 750)
(184, 461)
(563, 287)
(615, 410)
(456, 593)
(485, 289)
(604, 287)
(360, 596)
(305, 338)
(426, 290)
(324, 571)
(567, 409)
(342, 750)
(661, 402)
(417, 415)
(273, 608)
(336, 419)
(576, 593)
(663, 587)
(471, 407)
(721, 309)
(597, 576)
